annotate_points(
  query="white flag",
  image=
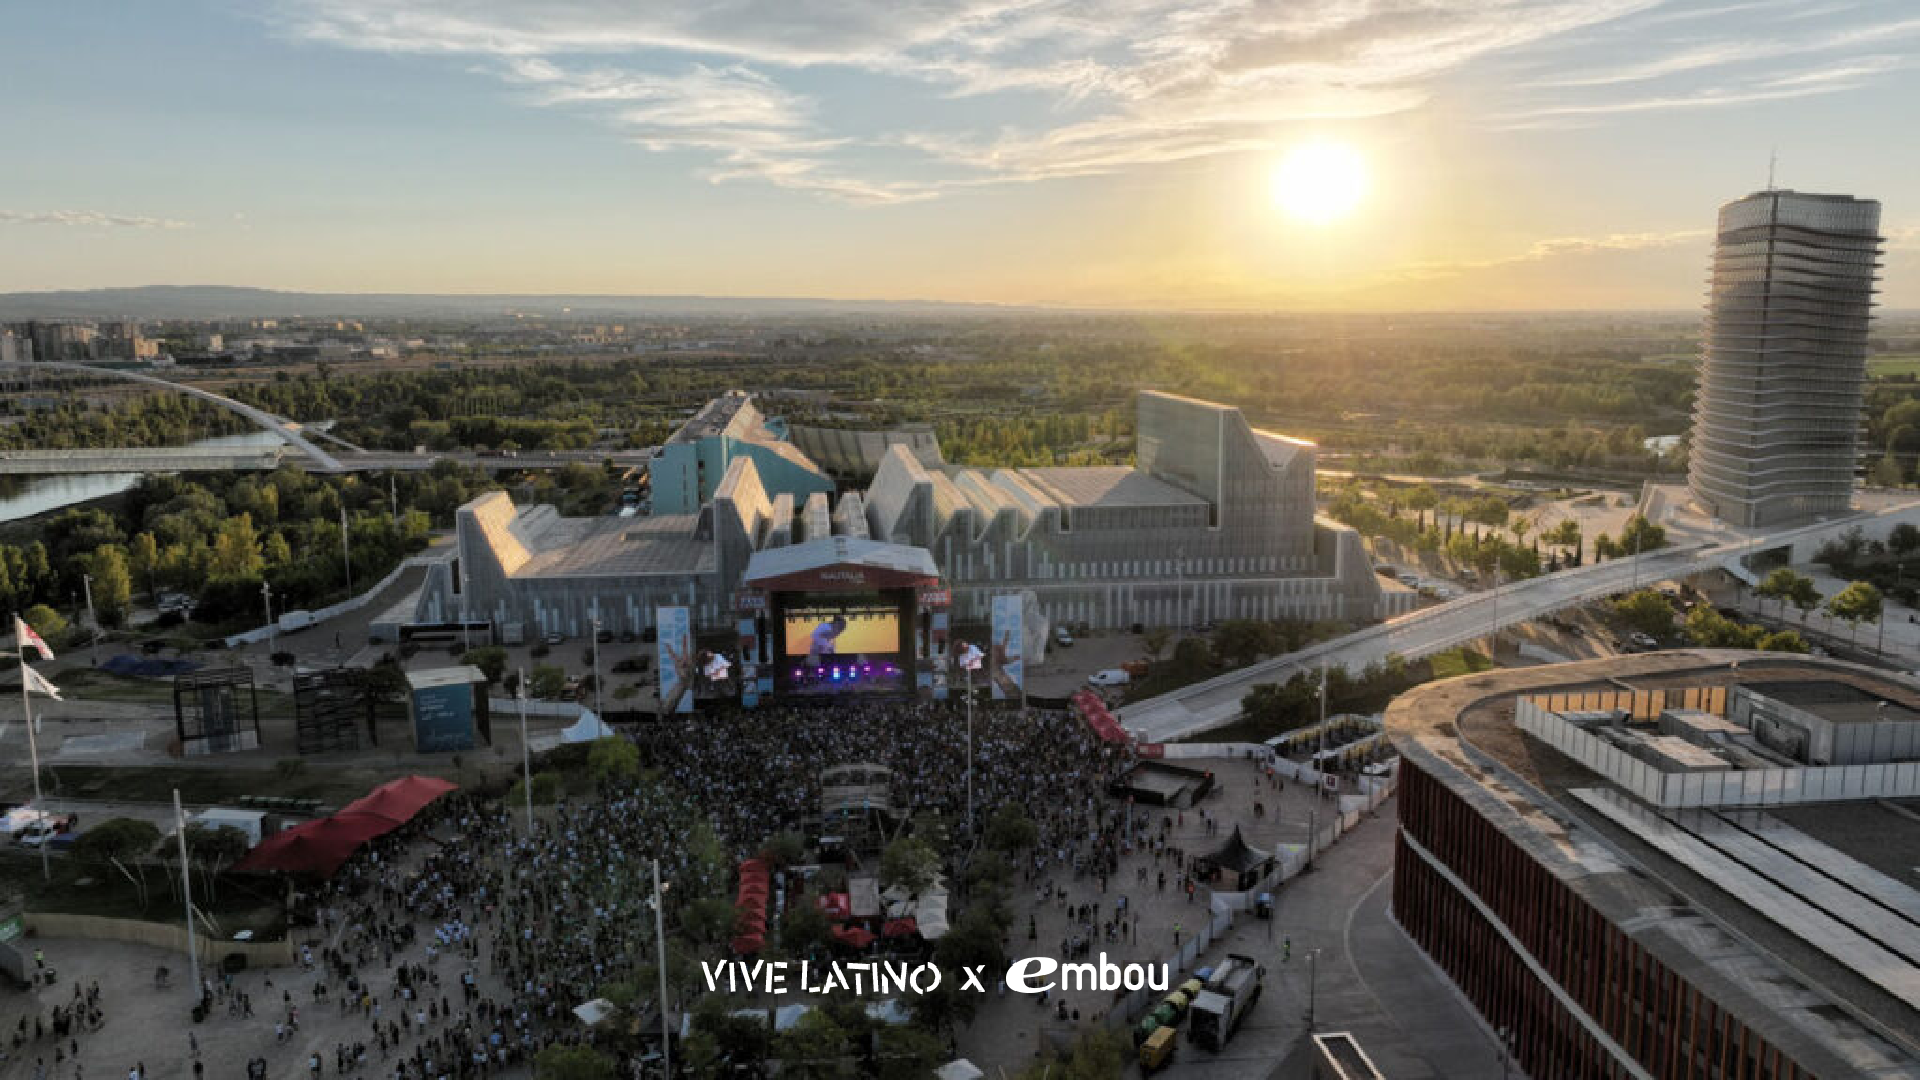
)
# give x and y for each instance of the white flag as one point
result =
(38, 683)
(26, 637)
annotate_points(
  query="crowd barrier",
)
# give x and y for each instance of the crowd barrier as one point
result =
(169, 937)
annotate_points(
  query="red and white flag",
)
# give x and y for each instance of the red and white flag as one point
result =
(38, 683)
(27, 637)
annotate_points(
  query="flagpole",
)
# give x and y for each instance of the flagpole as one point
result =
(33, 751)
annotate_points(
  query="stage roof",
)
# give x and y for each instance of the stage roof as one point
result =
(871, 563)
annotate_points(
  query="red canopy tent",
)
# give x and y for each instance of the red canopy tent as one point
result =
(750, 907)
(858, 937)
(398, 800)
(317, 848)
(894, 928)
(1094, 712)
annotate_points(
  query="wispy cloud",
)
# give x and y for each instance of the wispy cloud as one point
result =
(1806, 82)
(1557, 247)
(1130, 82)
(1097, 86)
(87, 219)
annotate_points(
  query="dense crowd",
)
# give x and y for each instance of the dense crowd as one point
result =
(458, 946)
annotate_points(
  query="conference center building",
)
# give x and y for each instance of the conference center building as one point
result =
(1673, 865)
(1215, 521)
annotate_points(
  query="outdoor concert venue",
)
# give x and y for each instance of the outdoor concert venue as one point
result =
(1215, 521)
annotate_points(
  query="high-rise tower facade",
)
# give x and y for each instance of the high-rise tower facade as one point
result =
(1776, 422)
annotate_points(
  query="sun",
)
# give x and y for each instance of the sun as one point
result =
(1320, 182)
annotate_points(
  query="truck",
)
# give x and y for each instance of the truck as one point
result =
(1229, 995)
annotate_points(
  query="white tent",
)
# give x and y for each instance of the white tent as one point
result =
(959, 1069)
(592, 1012)
(588, 728)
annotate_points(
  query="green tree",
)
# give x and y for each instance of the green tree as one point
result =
(1708, 628)
(546, 790)
(116, 840)
(909, 862)
(814, 1048)
(1646, 611)
(909, 1053)
(214, 850)
(1155, 640)
(1778, 586)
(1641, 535)
(1783, 641)
(561, 1062)
(143, 559)
(1010, 829)
(1904, 540)
(112, 585)
(1241, 642)
(48, 623)
(613, 759)
(1805, 596)
(804, 929)
(490, 659)
(547, 681)
(236, 550)
(1857, 603)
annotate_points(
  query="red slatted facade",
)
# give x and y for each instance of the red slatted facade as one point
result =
(1661, 1021)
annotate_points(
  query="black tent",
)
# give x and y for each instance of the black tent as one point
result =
(1243, 863)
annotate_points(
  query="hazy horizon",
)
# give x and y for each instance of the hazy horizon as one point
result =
(1120, 155)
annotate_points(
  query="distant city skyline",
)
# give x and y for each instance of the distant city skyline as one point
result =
(1475, 154)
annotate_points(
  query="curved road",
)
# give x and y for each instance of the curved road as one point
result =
(1216, 702)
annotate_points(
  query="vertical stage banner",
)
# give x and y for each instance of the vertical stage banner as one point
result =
(1004, 665)
(674, 628)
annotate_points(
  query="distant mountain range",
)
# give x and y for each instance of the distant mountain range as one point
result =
(228, 302)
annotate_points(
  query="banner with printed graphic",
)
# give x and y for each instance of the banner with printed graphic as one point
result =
(678, 665)
(1004, 666)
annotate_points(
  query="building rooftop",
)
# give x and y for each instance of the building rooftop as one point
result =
(1807, 940)
(713, 419)
(611, 546)
(1106, 486)
(1837, 702)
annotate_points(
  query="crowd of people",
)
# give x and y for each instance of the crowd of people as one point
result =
(457, 947)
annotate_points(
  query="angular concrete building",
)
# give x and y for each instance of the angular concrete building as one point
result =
(1777, 425)
(1216, 522)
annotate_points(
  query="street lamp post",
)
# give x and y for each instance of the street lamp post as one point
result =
(526, 754)
(186, 890)
(970, 658)
(346, 547)
(660, 945)
(596, 660)
(266, 594)
(1313, 983)
(93, 621)
(466, 609)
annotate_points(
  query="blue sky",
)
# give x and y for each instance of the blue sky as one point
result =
(1521, 153)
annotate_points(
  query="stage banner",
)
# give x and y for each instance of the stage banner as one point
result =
(674, 626)
(1004, 665)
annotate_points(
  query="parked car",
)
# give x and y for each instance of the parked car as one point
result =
(1062, 638)
(1110, 677)
(1643, 640)
(555, 638)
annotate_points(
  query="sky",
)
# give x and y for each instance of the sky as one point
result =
(1517, 154)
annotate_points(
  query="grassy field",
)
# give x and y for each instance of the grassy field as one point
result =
(1894, 365)
(1457, 662)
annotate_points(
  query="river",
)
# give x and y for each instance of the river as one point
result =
(45, 493)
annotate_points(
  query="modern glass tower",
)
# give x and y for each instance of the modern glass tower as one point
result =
(1776, 422)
